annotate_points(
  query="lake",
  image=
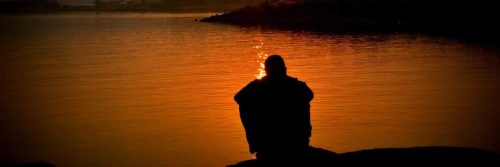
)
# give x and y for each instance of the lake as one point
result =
(156, 89)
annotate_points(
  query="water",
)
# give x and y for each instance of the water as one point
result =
(132, 89)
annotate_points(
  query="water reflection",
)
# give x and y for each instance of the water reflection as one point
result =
(262, 56)
(147, 89)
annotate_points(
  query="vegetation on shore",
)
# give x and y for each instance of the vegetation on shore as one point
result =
(477, 17)
(170, 5)
(29, 6)
(36, 6)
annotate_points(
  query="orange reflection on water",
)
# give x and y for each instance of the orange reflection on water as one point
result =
(262, 57)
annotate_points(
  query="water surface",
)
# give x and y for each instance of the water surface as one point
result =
(132, 89)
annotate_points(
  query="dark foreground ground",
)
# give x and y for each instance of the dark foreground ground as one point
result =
(417, 156)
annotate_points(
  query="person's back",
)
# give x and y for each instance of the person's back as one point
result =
(275, 114)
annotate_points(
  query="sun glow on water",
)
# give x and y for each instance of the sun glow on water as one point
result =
(261, 72)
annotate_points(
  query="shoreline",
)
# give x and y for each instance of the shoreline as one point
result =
(345, 17)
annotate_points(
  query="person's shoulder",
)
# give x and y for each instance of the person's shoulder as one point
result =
(302, 87)
(245, 91)
(296, 80)
(255, 82)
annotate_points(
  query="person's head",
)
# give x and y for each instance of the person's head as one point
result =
(275, 66)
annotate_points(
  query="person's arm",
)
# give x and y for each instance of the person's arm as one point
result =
(248, 121)
(309, 95)
(244, 100)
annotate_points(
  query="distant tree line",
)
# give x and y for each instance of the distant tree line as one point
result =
(471, 19)
(401, 10)
(173, 5)
(442, 16)
(29, 6)
(127, 5)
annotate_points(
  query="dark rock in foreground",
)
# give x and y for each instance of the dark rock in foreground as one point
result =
(417, 156)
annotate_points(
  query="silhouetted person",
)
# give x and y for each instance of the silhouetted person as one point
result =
(275, 113)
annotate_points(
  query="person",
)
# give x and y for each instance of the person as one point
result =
(275, 113)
